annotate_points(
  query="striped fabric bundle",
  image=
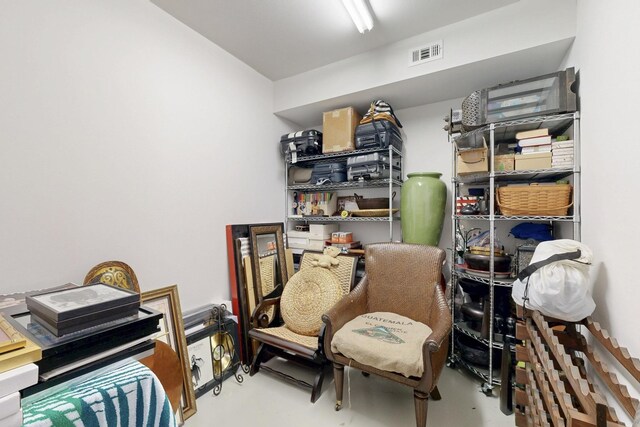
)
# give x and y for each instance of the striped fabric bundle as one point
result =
(380, 110)
(128, 396)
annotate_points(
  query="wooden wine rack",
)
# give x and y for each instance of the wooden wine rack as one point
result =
(554, 389)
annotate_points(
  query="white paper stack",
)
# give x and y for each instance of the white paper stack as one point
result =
(562, 154)
(11, 382)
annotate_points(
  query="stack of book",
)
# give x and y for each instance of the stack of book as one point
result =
(562, 154)
(535, 149)
(11, 383)
(534, 141)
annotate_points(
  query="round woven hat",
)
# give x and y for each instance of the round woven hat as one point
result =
(307, 296)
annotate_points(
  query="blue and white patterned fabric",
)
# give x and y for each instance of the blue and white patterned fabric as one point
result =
(129, 396)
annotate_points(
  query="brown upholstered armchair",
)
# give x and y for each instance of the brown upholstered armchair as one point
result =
(400, 278)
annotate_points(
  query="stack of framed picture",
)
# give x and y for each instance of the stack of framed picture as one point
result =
(80, 352)
(71, 310)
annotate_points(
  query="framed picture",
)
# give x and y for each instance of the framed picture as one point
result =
(15, 349)
(201, 364)
(167, 301)
(10, 339)
(214, 356)
(243, 295)
(346, 203)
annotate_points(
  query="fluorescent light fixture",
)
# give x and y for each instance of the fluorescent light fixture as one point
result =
(359, 13)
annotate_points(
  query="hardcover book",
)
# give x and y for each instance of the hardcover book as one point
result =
(532, 133)
(541, 140)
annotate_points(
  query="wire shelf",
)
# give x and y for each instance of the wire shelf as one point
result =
(348, 184)
(497, 282)
(466, 330)
(516, 176)
(320, 158)
(340, 219)
(569, 218)
(478, 371)
(507, 130)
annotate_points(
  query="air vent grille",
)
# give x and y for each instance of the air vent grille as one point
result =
(429, 52)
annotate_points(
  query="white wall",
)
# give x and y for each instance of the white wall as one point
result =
(427, 149)
(523, 25)
(125, 135)
(605, 54)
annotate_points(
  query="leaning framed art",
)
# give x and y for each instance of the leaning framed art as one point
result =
(167, 301)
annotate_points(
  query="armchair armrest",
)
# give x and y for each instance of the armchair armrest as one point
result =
(258, 317)
(439, 320)
(348, 308)
(435, 346)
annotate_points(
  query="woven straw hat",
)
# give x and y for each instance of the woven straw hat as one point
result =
(306, 297)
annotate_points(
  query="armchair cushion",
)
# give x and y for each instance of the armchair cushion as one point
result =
(308, 294)
(386, 341)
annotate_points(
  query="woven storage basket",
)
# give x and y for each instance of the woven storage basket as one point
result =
(540, 200)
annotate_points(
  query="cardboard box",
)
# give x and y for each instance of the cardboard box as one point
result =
(504, 162)
(533, 161)
(472, 160)
(322, 229)
(338, 130)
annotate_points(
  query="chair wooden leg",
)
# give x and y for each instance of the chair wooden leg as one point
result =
(435, 394)
(316, 390)
(257, 360)
(421, 402)
(338, 376)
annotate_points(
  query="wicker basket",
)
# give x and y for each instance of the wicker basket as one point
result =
(540, 200)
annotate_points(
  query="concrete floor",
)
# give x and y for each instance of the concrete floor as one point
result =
(265, 400)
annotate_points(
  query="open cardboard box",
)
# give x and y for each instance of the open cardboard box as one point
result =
(472, 160)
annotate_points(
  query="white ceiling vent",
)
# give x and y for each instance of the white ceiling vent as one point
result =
(429, 52)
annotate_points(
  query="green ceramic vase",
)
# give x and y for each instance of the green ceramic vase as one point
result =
(422, 205)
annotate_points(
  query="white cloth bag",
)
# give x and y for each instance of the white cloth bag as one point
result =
(559, 289)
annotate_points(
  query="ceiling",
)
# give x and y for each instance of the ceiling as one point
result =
(282, 38)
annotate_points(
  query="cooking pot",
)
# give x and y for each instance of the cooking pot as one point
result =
(473, 287)
(501, 263)
(373, 202)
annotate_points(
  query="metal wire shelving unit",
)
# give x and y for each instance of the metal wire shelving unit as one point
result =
(390, 184)
(498, 133)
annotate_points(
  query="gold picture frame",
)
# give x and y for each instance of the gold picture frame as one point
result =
(17, 350)
(167, 301)
(10, 338)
